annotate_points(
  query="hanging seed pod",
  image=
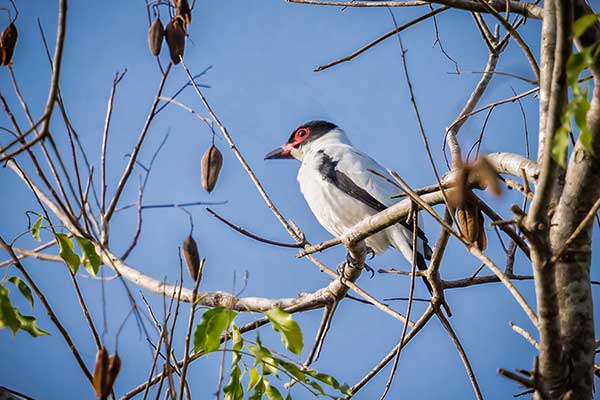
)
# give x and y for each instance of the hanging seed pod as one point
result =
(114, 366)
(212, 161)
(482, 238)
(8, 41)
(192, 259)
(471, 222)
(182, 8)
(175, 35)
(105, 373)
(100, 370)
(155, 36)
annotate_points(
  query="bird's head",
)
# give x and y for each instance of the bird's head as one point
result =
(304, 136)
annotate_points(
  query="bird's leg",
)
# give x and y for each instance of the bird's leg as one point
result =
(350, 261)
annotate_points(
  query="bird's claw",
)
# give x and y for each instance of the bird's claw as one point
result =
(354, 264)
(370, 253)
(369, 269)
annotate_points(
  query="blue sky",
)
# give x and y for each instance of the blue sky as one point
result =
(262, 85)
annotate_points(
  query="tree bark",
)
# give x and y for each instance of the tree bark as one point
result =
(582, 189)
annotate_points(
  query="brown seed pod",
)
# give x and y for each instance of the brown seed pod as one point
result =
(100, 370)
(8, 41)
(192, 258)
(175, 35)
(114, 366)
(471, 222)
(212, 161)
(105, 373)
(182, 8)
(155, 36)
(482, 238)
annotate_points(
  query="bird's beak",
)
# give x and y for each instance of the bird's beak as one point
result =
(284, 151)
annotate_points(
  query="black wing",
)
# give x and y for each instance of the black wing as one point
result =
(331, 174)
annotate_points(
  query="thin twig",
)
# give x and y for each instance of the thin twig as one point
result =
(188, 334)
(583, 225)
(132, 159)
(411, 291)
(381, 39)
(252, 235)
(462, 353)
(473, 250)
(109, 109)
(49, 310)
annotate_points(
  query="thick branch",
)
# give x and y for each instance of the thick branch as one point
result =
(527, 9)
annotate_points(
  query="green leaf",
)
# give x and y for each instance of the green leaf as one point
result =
(271, 391)
(234, 389)
(35, 231)
(293, 370)
(316, 386)
(259, 390)
(560, 144)
(254, 377)
(208, 333)
(65, 246)
(577, 62)
(264, 358)
(582, 23)
(8, 314)
(89, 257)
(29, 325)
(23, 288)
(291, 335)
(582, 106)
(329, 380)
(238, 343)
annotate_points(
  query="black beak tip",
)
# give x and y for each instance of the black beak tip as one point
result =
(277, 153)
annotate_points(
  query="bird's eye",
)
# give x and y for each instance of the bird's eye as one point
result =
(302, 133)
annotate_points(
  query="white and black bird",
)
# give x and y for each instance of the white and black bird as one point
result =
(335, 180)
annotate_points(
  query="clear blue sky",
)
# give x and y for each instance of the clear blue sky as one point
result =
(262, 55)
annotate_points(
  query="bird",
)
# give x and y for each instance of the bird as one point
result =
(336, 181)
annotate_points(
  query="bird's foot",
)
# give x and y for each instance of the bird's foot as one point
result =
(352, 263)
(370, 254)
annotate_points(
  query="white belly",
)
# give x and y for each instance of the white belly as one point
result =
(336, 211)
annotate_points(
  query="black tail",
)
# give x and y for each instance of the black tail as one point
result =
(422, 265)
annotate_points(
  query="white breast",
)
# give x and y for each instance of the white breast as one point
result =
(335, 210)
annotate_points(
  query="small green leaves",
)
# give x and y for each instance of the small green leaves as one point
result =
(29, 325)
(65, 246)
(23, 288)
(264, 358)
(8, 314)
(579, 105)
(89, 257)
(560, 143)
(234, 389)
(254, 377)
(208, 333)
(218, 321)
(576, 63)
(582, 23)
(238, 344)
(291, 335)
(35, 230)
(271, 391)
(10, 317)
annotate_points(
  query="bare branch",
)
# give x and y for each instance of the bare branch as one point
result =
(527, 9)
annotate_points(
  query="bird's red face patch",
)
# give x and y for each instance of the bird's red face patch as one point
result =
(299, 136)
